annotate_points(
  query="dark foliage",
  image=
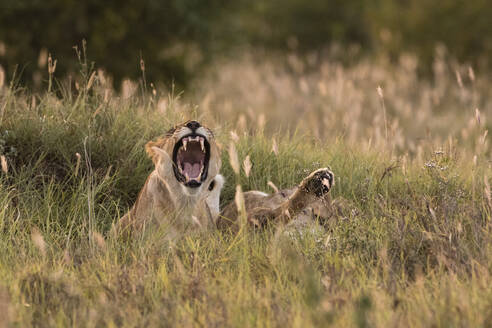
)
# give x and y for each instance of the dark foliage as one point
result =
(177, 37)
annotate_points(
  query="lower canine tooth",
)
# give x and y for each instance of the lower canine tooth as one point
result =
(187, 177)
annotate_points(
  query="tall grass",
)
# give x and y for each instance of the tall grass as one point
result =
(412, 246)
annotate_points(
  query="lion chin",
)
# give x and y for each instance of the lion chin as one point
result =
(184, 188)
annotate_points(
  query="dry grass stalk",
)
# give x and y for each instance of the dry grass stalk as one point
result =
(432, 212)
(459, 79)
(275, 147)
(381, 97)
(234, 136)
(92, 78)
(33, 102)
(247, 166)
(261, 121)
(51, 65)
(42, 58)
(477, 116)
(5, 167)
(38, 241)
(196, 221)
(487, 191)
(273, 186)
(471, 74)
(2, 77)
(77, 165)
(99, 239)
(233, 158)
(239, 200)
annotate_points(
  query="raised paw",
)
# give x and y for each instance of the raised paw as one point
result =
(318, 182)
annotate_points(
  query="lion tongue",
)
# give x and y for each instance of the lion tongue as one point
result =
(192, 170)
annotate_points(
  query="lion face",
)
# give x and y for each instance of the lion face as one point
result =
(193, 152)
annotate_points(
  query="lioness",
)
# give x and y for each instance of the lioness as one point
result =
(186, 185)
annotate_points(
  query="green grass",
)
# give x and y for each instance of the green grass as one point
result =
(414, 248)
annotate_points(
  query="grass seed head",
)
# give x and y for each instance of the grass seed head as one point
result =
(38, 241)
(275, 147)
(239, 200)
(99, 240)
(247, 166)
(42, 58)
(51, 65)
(234, 136)
(2, 77)
(459, 79)
(477, 116)
(471, 74)
(233, 158)
(380, 91)
(5, 167)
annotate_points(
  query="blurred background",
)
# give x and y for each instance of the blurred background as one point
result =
(177, 39)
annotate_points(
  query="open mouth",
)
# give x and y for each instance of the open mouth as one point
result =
(190, 156)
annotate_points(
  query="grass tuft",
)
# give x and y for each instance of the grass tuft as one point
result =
(412, 247)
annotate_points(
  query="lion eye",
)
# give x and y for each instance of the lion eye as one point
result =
(212, 185)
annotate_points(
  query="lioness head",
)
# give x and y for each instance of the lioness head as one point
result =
(189, 153)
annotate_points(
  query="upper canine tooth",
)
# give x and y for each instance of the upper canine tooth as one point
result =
(184, 143)
(202, 144)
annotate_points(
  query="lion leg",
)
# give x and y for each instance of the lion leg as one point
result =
(313, 187)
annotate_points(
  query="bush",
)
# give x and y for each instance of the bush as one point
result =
(118, 34)
(176, 37)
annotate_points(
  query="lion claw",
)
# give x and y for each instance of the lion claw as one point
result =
(319, 182)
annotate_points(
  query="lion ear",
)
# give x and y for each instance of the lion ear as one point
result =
(150, 148)
(160, 153)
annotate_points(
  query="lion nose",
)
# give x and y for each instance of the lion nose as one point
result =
(193, 125)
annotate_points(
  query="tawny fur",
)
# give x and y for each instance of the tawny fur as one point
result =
(163, 199)
(308, 200)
